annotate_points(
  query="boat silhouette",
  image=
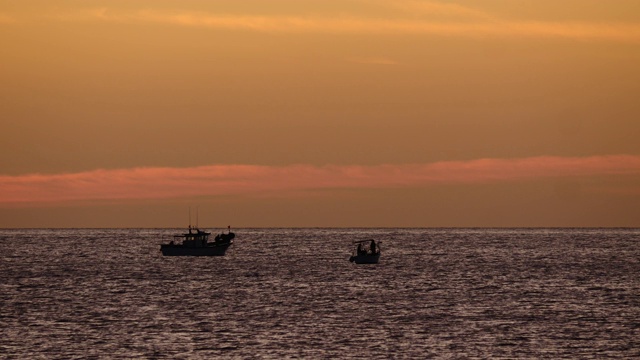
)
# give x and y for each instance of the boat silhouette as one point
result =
(367, 252)
(196, 243)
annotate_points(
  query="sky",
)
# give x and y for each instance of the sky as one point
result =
(320, 113)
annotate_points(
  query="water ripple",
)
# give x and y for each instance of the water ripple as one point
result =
(463, 293)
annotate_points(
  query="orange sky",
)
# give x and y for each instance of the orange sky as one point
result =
(320, 113)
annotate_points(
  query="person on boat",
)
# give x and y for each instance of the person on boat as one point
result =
(373, 247)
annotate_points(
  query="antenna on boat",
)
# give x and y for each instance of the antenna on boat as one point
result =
(189, 217)
(197, 227)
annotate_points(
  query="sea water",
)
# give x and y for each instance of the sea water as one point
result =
(292, 293)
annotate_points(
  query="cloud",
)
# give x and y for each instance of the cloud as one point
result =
(213, 180)
(356, 25)
(436, 8)
(451, 20)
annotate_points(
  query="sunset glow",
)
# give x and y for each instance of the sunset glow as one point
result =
(366, 105)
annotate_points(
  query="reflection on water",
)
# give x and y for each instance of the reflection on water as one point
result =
(471, 293)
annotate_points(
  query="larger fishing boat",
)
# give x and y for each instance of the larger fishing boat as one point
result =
(196, 243)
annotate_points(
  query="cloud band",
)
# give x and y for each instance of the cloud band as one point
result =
(216, 180)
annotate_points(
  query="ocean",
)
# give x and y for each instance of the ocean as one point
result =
(292, 293)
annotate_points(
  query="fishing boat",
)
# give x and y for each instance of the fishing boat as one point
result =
(366, 252)
(196, 243)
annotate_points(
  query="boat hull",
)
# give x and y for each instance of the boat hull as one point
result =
(179, 250)
(365, 259)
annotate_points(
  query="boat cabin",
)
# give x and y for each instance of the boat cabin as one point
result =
(195, 239)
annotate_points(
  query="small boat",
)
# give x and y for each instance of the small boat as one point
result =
(196, 243)
(367, 252)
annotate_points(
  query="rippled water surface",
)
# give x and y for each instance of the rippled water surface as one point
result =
(456, 293)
